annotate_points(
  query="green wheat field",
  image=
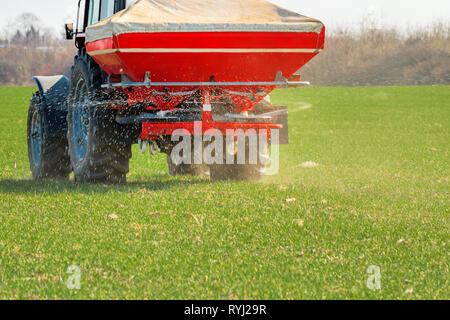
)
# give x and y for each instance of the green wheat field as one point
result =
(377, 196)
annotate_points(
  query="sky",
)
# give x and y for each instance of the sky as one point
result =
(401, 13)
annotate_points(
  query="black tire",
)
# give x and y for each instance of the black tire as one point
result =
(236, 172)
(187, 169)
(48, 156)
(101, 150)
(239, 172)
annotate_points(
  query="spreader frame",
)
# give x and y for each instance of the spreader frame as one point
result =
(153, 130)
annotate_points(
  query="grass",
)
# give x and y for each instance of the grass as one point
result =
(379, 197)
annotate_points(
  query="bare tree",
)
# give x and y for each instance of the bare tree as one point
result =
(26, 21)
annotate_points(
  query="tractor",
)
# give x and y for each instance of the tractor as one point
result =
(147, 70)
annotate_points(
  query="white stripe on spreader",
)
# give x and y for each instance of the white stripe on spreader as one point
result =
(195, 50)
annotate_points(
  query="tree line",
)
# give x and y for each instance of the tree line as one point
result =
(383, 57)
(364, 57)
(27, 49)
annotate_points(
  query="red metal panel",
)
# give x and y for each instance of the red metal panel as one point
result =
(197, 66)
(219, 40)
(152, 130)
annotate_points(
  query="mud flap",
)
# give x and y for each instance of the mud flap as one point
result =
(53, 92)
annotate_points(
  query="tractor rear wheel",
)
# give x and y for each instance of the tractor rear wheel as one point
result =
(48, 155)
(186, 169)
(99, 147)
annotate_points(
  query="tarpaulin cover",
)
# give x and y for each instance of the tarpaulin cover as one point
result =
(154, 16)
